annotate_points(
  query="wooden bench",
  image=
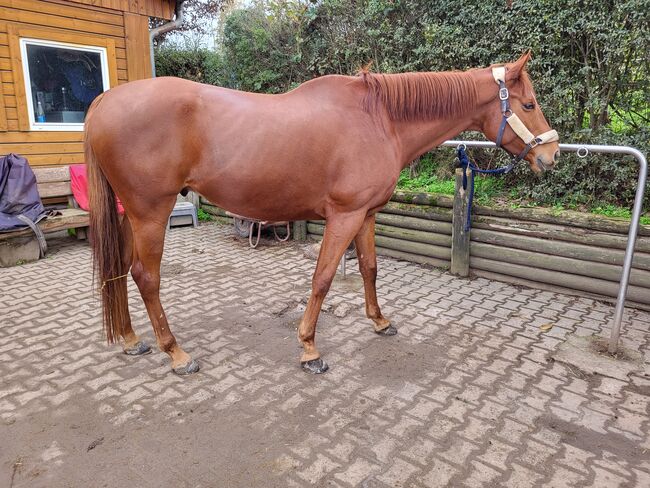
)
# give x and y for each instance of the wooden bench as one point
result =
(54, 187)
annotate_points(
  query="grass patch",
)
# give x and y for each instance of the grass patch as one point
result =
(204, 216)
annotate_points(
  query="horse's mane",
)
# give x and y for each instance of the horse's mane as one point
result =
(420, 96)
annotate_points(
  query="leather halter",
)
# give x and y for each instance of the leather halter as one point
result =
(510, 118)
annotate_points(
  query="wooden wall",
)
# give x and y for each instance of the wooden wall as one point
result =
(124, 33)
(163, 9)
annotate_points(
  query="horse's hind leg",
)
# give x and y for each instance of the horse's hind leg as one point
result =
(367, 255)
(131, 343)
(339, 231)
(149, 238)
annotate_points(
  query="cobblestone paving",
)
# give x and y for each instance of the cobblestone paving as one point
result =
(469, 393)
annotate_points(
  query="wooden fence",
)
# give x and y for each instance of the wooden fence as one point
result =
(569, 252)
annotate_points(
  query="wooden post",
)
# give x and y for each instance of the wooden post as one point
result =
(300, 230)
(460, 238)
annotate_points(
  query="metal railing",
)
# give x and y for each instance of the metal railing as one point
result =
(583, 150)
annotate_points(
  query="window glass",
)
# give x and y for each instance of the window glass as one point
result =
(63, 82)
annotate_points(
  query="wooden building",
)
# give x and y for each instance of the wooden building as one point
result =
(58, 55)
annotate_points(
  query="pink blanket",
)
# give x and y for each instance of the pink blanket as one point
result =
(79, 183)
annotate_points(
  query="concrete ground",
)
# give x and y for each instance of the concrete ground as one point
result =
(486, 384)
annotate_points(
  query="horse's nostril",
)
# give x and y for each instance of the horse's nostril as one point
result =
(556, 156)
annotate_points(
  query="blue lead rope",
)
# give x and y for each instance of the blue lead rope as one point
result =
(464, 162)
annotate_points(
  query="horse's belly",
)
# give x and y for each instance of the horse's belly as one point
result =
(265, 201)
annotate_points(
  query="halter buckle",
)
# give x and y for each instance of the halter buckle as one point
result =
(503, 93)
(535, 142)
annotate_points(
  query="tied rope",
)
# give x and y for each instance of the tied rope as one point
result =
(113, 279)
(465, 163)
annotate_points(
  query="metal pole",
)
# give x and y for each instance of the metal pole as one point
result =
(583, 150)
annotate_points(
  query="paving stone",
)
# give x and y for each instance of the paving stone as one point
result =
(469, 393)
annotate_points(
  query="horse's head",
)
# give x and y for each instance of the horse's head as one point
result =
(515, 121)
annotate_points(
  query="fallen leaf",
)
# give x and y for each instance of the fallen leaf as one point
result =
(546, 327)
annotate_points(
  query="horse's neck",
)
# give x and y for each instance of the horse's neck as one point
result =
(420, 136)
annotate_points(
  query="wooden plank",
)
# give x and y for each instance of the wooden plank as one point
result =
(560, 248)
(299, 230)
(565, 217)
(420, 198)
(553, 288)
(46, 148)
(413, 258)
(414, 223)
(557, 278)
(6, 75)
(460, 236)
(3, 113)
(558, 232)
(52, 175)
(94, 5)
(40, 137)
(136, 28)
(64, 10)
(71, 218)
(420, 211)
(413, 235)
(55, 159)
(9, 100)
(601, 271)
(55, 189)
(40, 19)
(18, 79)
(434, 251)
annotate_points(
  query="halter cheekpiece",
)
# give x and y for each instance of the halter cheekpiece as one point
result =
(510, 118)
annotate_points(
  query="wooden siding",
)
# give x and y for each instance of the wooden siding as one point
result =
(136, 28)
(124, 34)
(163, 9)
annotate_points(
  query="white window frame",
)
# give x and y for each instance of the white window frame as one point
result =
(57, 126)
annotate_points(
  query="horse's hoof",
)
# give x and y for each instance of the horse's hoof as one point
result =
(315, 366)
(139, 349)
(189, 368)
(388, 331)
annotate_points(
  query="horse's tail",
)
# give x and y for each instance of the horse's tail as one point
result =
(106, 241)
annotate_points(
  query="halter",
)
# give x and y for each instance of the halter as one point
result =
(515, 123)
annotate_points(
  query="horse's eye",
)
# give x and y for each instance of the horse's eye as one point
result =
(529, 106)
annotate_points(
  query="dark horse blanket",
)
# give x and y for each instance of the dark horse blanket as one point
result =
(18, 193)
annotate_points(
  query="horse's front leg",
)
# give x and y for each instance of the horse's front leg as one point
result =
(367, 255)
(339, 232)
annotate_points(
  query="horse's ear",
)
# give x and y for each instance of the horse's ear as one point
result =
(518, 67)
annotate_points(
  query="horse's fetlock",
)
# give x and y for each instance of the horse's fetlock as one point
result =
(166, 344)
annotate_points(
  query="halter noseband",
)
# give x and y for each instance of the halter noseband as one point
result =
(515, 123)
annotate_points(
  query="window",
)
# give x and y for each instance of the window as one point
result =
(61, 81)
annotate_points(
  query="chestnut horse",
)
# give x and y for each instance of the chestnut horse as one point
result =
(330, 149)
